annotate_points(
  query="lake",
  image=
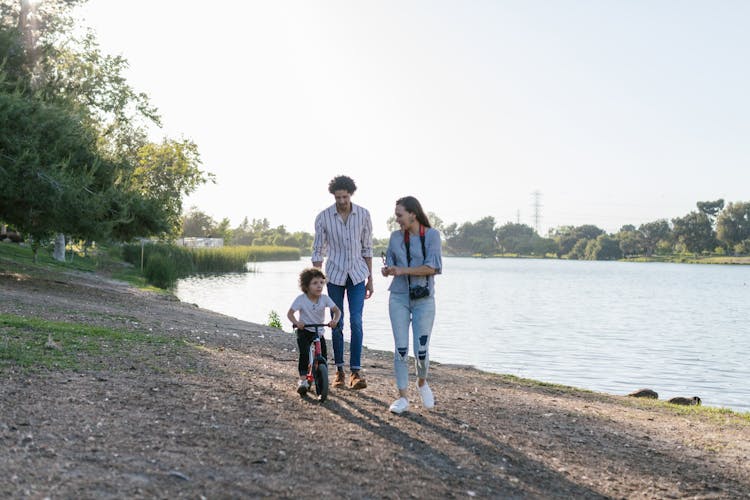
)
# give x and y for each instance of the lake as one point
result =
(679, 329)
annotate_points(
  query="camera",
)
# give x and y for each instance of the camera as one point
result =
(419, 292)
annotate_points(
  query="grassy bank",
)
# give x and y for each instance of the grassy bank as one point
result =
(672, 258)
(25, 343)
(692, 259)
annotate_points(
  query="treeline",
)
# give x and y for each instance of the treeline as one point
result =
(712, 228)
(257, 232)
(74, 155)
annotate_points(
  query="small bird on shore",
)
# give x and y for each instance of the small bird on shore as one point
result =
(695, 400)
(644, 393)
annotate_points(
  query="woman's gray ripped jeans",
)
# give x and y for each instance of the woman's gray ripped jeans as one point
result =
(420, 313)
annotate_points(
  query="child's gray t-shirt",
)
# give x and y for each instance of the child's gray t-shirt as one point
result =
(311, 313)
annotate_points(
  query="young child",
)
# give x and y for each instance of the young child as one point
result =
(311, 305)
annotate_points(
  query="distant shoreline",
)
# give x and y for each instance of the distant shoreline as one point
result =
(670, 259)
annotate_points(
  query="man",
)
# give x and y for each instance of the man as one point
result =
(343, 231)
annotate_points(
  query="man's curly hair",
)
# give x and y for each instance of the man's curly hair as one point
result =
(342, 182)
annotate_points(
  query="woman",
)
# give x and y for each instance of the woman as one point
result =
(413, 259)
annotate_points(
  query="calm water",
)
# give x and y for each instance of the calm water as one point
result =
(614, 327)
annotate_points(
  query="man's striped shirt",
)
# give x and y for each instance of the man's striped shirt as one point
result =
(346, 245)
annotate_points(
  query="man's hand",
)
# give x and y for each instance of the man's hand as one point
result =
(369, 288)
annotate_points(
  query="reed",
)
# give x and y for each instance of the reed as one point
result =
(163, 264)
(239, 258)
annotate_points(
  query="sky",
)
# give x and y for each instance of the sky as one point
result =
(613, 112)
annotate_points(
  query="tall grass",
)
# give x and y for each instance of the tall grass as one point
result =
(237, 258)
(163, 264)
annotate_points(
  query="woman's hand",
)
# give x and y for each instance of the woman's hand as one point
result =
(384, 271)
(394, 271)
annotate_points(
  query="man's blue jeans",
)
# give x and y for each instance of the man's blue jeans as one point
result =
(355, 295)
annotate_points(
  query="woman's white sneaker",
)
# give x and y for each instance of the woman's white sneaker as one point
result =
(428, 399)
(399, 406)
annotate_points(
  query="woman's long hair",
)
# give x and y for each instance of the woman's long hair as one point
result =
(412, 205)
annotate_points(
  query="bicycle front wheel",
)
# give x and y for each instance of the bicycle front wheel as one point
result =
(321, 381)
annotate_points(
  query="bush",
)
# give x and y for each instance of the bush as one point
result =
(742, 248)
(160, 271)
(274, 320)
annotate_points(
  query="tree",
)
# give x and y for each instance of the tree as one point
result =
(478, 237)
(578, 251)
(567, 236)
(604, 247)
(47, 60)
(167, 171)
(733, 225)
(694, 231)
(629, 241)
(197, 224)
(53, 178)
(710, 208)
(222, 230)
(522, 239)
(651, 233)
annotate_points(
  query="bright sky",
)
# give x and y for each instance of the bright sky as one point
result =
(617, 112)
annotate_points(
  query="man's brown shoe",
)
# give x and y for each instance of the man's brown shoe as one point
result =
(338, 381)
(357, 381)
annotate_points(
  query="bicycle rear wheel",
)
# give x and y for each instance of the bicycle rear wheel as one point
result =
(321, 381)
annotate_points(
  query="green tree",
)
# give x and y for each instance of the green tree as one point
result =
(167, 171)
(566, 237)
(522, 239)
(197, 224)
(242, 234)
(694, 232)
(733, 225)
(711, 208)
(578, 252)
(52, 177)
(222, 230)
(628, 240)
(604, 247)
(46, 59)
(651, 233)
(477, 237)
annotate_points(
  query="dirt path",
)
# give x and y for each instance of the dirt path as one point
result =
(219, 418)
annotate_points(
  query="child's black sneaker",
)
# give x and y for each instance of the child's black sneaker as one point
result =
(302, 387)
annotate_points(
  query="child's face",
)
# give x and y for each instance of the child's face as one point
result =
(316, 286)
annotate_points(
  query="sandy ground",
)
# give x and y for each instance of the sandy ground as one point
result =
(216, 416)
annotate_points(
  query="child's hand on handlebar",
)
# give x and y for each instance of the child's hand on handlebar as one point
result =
(299, 325)
(332, 324)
